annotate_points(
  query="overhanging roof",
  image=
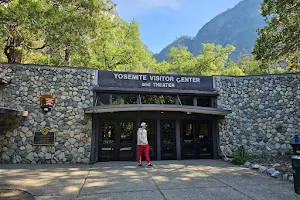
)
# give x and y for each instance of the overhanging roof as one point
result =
(156, 91)
(157, 107)
(5, 110)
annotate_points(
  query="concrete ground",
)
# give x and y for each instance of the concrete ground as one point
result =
(176, 180)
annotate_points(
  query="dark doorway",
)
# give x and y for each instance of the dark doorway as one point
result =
(196, 140)
(168, 140)
(117, 140)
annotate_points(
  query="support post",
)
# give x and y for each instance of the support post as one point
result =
(178, 140)
(158, 138)
(138, 122)
(195, 101)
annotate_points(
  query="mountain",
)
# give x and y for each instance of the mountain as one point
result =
(236, 26)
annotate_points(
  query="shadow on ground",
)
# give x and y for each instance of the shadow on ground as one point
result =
(190, 179)
(15, 194)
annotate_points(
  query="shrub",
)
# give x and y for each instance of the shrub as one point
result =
(239, 156)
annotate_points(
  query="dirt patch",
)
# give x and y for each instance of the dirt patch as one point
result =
(15, 194)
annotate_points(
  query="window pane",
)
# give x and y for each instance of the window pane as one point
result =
(186, 100)
(203, 101)
(149, 99)
(128, 98)
(107, 99)
(126, 132)
(109, 133)
(166, 99)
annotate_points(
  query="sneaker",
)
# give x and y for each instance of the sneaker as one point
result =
(140, 165)
(150, 165)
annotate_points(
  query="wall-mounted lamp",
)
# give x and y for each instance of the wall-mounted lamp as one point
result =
(25, 114)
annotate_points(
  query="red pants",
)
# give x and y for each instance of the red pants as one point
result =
(144, 148)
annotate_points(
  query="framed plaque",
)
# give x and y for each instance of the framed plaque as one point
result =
(45, 137)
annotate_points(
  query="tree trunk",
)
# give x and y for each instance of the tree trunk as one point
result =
(13, 54)
(67, 57)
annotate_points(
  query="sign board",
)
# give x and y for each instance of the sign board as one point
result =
(154, 81)
(44, 137)
(47, 102)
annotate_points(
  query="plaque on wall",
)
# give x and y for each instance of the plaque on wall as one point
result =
(44, 137)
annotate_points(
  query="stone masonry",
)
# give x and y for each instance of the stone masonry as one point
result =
(73, 89)
(265, 113)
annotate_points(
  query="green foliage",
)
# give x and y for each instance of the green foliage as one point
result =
(239, 156)
(68, 32)
(182, 61)
(118, 47)
(161, 68)
(279, 40)
(213, 60)
(232, 69)
(250, 65)
(57, 26)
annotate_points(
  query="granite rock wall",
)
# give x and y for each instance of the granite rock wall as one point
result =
(265, 113)
(72, 127)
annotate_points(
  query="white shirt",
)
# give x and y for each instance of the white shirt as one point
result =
(142, 136)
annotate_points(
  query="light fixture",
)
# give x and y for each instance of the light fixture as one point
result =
(25, 113)
(188, 113)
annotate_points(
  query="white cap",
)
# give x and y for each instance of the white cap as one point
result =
(143, 124)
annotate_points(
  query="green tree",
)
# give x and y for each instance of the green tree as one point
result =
(21, 22)
(232, 69)
(118, 46)
(163, 67)
(60, 27)
(279, 40)
(181, 60)
(250, 65)
(213, 59)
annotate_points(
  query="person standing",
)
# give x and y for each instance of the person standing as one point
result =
(143, 145)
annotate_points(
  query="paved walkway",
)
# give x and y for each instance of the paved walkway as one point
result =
(172, 180)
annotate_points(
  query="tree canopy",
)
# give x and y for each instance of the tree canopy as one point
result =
(213, 60)
(69, 32)
(279, 41)
(86, 33)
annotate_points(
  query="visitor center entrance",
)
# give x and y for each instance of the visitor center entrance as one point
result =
(181, 115)
(171, 135)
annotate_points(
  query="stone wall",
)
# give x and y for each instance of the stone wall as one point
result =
(265, 113)
(73, 89)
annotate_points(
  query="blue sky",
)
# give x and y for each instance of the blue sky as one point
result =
(161, 21)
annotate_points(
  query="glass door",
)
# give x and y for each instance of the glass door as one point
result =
(108, 144)
(196, 140)
(117, 140)
(204, 143)
(168, 140)
(127, 145)
(188, 142)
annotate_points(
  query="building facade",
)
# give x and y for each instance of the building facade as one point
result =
(82, 115)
